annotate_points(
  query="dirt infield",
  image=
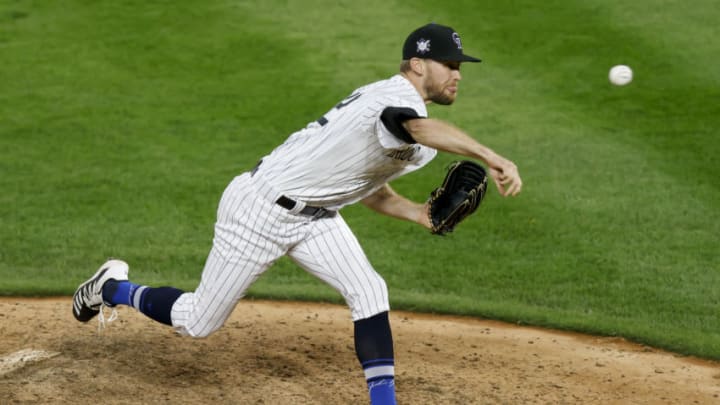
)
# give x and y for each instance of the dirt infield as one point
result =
(298, 353)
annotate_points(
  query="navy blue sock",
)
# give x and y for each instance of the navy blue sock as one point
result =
(156, 303)
(374, 349)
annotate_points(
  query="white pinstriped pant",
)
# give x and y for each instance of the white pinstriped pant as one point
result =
(251, 233)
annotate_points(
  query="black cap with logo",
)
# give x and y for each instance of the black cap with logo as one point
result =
(436, 42)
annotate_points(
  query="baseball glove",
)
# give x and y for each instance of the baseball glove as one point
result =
(460, 195)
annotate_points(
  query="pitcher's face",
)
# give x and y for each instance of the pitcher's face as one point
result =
(441, 81)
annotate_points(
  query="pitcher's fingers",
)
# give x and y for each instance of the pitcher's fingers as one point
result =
(515, 188)
(499, 186)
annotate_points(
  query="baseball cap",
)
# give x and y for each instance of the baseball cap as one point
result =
(437, 42)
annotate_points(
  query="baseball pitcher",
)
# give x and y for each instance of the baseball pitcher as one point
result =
(289, 205)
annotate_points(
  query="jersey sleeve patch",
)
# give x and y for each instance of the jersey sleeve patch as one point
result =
(393, 118)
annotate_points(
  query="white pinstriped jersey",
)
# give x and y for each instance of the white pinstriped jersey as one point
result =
(349, 153)
(344, 157)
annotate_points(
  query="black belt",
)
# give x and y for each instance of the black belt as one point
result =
(289, 204)
(315, 212)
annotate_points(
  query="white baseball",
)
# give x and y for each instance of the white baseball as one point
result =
(620, 75)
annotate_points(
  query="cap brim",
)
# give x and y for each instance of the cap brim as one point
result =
(468, 58)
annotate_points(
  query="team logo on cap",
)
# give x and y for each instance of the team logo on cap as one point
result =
(423, 46)
(456, 38)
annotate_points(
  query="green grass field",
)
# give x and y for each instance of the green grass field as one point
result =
(122, 122)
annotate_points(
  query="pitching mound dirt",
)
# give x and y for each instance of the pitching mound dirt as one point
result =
(299, 353)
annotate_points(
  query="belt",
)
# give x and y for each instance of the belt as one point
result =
(315, 212)
(289, 204)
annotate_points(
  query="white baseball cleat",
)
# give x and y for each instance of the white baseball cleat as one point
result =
(87, 300)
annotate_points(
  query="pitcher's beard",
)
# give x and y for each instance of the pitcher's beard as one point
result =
(439, 97)
(442, 99)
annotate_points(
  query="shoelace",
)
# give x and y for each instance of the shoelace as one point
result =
(101, 317)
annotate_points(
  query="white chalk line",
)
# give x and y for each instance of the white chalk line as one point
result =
(21, 358)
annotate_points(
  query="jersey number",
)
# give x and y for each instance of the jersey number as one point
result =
(349, 99)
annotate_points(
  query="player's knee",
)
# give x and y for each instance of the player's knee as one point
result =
(200, 335)
(381, 287)
(197, 332)
(364, 305)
